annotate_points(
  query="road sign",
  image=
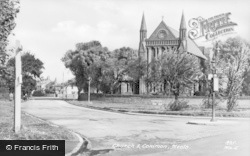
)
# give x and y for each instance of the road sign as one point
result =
(216, 84)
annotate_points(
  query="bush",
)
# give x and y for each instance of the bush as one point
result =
(38, 93)
(4, 93)
(208, 104)
(200, 93)
(49, 91)
(93, 96)
(178, 105)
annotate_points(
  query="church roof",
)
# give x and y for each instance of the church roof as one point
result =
(163, 26)
(192, 47)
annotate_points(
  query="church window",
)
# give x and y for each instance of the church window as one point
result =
(162, 34)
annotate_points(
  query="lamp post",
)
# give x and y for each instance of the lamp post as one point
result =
(214, 81)
(89, 80)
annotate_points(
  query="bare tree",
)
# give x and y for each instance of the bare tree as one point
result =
(233, 64)
(180, 70)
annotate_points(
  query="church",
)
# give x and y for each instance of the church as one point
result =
(164, 39)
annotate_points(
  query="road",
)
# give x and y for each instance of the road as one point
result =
(145, 134)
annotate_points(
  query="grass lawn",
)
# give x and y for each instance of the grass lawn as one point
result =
(139, 105)
(32, 128)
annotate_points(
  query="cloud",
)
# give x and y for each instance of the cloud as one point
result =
(71, 28)
(64, 26)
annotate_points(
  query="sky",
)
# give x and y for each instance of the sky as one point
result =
(49, 28)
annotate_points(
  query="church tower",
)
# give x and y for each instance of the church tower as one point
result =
(143, 37)
(183, 34)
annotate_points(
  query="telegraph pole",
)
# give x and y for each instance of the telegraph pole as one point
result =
(18, 84)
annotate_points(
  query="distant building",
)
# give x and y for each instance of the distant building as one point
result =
(41, 84)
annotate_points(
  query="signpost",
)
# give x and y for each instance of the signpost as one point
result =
(18, 83)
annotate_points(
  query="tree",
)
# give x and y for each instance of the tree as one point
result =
(137, 68)
(106, 69)
(86, 62)
(180, 70)
(245, 84)
(8, 12)
(116, 68)
(234, 63)
(154, 78)
(31, 70)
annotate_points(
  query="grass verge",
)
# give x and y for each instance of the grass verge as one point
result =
(32, 128)
(145, 108)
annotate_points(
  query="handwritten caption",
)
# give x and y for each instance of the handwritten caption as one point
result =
(150, 146)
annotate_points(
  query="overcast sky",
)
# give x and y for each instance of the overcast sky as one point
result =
(48, 28)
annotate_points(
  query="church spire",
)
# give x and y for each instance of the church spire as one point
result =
(143, 30)
(182, 33)
(143, 37)
(183, 28)
(183, 22)
(143, 24)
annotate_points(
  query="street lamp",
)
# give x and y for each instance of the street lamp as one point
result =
(89, 80)
(214, 80)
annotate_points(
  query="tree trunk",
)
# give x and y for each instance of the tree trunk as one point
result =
(176, 96)
(177, 92)
(78, 93)
(111, 89)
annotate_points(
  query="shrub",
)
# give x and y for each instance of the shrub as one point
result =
(49, 91)
(4, 93)
(38, 93)
(178, 105)
(93, 96)
(200, 93)
(208, 104)
(219, 98)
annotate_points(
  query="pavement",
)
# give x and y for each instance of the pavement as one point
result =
(214, 123)
(112, 133)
